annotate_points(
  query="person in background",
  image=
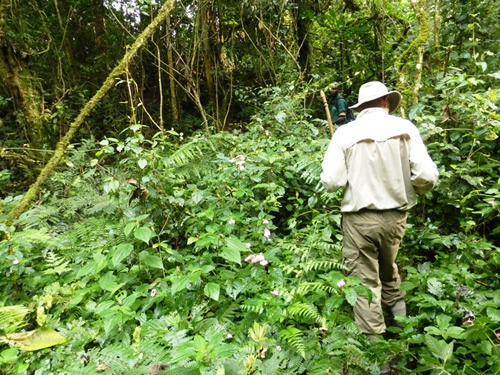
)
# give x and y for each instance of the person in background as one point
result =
(381, 163)
(338, 105)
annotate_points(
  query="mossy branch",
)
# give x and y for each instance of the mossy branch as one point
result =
(107, 85)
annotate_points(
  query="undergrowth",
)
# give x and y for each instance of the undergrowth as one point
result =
(222, 255)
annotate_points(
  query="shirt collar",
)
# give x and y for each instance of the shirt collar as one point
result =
(369, 111)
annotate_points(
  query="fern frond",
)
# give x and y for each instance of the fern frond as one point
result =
(228, 314)
(306, 287)
(188, 152)
(56, 264)
(305, 310)
(323, 265)
(293, 337)
(12, 317)
(253, 306)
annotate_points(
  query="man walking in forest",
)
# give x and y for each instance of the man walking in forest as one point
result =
(338, 105)
(381, 163)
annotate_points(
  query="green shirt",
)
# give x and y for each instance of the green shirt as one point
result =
(338, 110)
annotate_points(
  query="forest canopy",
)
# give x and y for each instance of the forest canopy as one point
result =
(160, 204)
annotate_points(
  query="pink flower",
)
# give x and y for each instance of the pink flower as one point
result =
(340, 283)
(259, 258)
(267, 233)
(497, 334)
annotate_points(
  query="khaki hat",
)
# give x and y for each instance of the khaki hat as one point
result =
(374, 90)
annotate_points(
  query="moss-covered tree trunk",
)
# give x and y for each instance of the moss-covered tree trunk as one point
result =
(107, 85)
(171, 73)
(412, 57)
(19, 83)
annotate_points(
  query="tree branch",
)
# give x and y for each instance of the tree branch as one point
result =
(107, 85)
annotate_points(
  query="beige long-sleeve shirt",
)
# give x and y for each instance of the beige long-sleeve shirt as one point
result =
(381, 162)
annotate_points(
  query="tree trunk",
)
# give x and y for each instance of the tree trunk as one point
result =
(107, 85)
(19, 84)
(415, 49)
(171, 73)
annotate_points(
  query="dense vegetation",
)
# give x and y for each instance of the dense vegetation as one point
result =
(182, 229)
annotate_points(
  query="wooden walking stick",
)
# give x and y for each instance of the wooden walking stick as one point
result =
(327, 110)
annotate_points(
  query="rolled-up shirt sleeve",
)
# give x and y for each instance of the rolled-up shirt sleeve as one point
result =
(334, 170)
(424, 172)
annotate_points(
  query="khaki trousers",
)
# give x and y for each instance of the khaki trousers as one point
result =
(371, 244)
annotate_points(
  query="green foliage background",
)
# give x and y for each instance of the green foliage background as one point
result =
(183, 252)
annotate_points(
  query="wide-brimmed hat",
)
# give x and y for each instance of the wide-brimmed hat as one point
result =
(374, 90)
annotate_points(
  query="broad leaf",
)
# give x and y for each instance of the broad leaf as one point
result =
(144, 234)
(151, 260)
(120, 252)
(37, 339)
(212, 291)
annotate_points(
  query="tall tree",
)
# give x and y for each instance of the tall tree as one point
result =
(92, 103)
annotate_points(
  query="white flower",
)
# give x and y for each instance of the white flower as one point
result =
(276, 293)
(264, 262)
(229, 336)
(231, 221)
(265, 221)
(248, 245)
(15, 261)
(152, 292)
(278, 348)
(267, 233)
(341, 283)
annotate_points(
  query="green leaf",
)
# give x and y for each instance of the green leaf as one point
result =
(351, 296)
(142, 163)
(431, 330)
(120, 252)
(151, 260)
(129, 228)
(144, 234)
(493, 314)
(232, 250)
(212, 291)
(179, 284)
(231, 255)
(9, 355)
(37, 339)
(89, 269)
(439, 348)
(108, 282)
(455, 332)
